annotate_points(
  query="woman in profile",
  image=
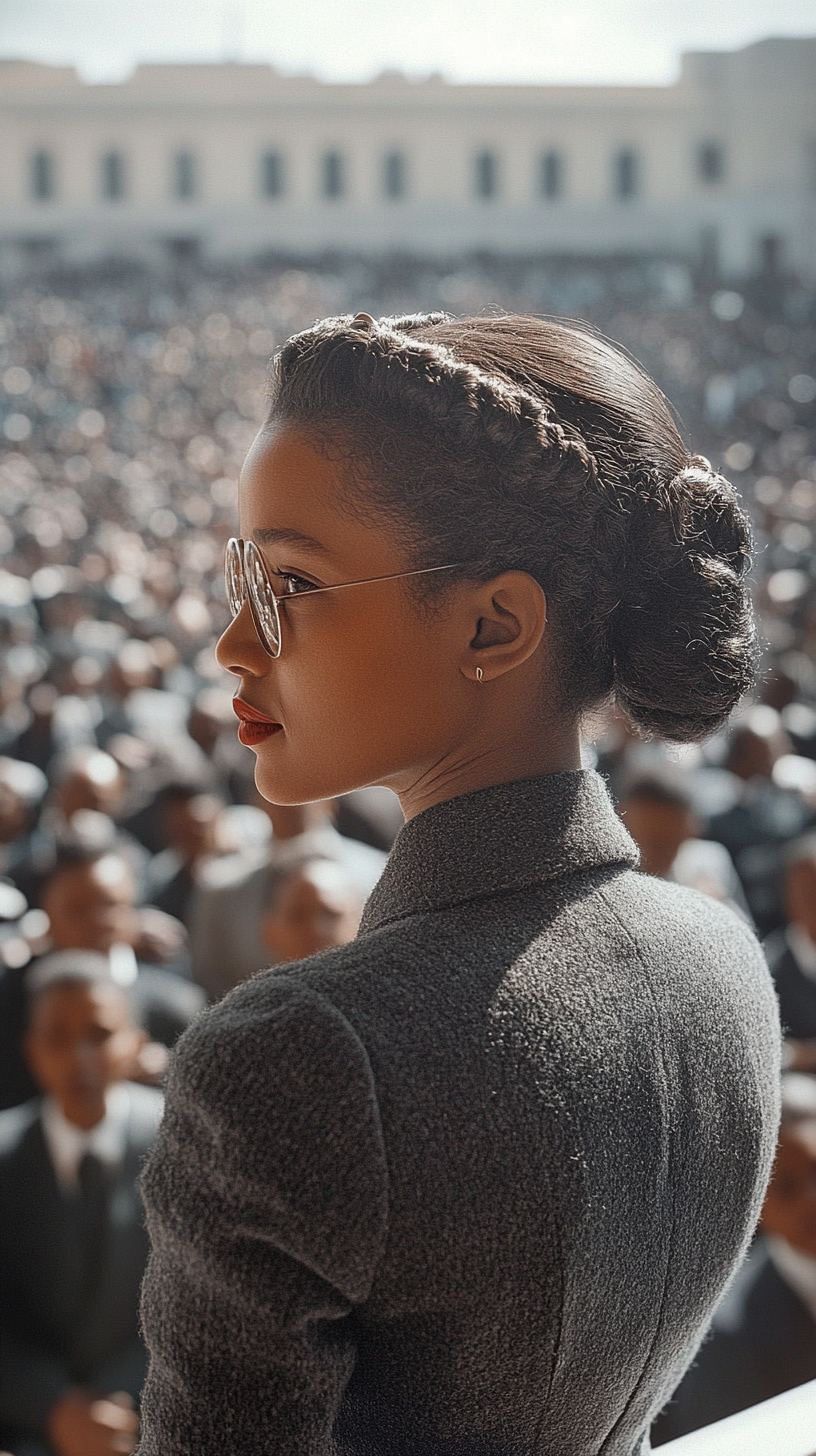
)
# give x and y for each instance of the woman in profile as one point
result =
(473, 1184)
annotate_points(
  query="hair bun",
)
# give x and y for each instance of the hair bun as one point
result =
(698, 471)
(684, 639)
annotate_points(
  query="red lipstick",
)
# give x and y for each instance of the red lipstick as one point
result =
(254, 727)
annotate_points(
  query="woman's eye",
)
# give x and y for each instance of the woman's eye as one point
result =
(293, 586)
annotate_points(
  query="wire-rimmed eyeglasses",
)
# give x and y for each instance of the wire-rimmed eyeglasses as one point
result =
(249, 580)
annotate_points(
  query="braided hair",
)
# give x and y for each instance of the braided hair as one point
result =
(513, 443)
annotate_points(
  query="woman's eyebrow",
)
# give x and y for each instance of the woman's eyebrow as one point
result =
(286, 535)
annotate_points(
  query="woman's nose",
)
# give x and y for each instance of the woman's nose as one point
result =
(239, 650)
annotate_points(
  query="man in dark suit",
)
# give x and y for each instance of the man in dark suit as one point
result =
(190, 820)
(88, 790)
(234, 894)
(72, 1241)
(763, 1338)
(763, 818)
(317, 905)
(92, 906)
(792, 952)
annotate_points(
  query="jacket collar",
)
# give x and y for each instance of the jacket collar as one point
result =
(499, 839)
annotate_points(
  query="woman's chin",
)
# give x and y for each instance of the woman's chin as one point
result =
(279, 787)
(282, 782)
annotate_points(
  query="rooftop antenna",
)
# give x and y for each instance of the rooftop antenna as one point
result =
(233, 34)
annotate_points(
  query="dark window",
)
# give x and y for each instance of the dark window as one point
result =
(113, 175)
(43, 176)
(183, 250)
(184, 174)
(625, 173)
(42, 252)
(710, 252)
(332, 178)
(272, 174)
(771, 252)
(551, 175)
(394, 175)
(710, 162)
(486, 174)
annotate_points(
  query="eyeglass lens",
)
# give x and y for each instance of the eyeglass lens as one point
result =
(245, 573)
(263, 597)
(234, 577)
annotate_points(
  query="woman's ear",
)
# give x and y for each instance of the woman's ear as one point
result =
(508, 615)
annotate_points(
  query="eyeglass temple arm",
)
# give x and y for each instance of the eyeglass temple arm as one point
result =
(365, 580)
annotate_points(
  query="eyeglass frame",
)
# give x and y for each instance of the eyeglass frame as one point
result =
(238, 548)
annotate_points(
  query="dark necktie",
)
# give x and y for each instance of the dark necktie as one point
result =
(93, 1192)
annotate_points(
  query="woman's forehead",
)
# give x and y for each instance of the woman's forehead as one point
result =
(288, 486)
(294, 495)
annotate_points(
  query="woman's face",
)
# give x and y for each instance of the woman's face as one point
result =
(366, 689)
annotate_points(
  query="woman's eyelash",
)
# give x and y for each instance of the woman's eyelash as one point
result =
(294, 585)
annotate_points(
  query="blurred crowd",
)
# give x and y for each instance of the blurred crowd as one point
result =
(140, 873)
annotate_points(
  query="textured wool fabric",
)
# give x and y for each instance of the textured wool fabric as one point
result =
(473, 1184)
(763, 1342)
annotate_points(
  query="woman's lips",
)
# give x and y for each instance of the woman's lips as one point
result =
(254, 726)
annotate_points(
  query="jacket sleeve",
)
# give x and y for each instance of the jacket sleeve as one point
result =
(266, 1198)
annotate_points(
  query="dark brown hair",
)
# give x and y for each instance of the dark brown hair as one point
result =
(513, 443)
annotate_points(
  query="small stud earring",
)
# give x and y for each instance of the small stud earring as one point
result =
(479, 675)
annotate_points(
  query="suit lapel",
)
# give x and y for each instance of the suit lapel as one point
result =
(111, 1318)
(51, 1243)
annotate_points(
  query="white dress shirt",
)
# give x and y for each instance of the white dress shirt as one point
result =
(68, 1144)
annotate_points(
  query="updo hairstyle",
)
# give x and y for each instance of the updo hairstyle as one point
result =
(513, 443)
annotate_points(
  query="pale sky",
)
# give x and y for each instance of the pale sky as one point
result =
(467, 40)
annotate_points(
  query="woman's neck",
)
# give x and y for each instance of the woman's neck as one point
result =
(522, 754)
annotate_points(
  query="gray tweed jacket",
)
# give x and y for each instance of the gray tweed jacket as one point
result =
(473, 1184)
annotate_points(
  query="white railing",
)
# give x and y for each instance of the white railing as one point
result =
(784, 1426)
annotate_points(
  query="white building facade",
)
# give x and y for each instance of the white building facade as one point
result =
(233, 161)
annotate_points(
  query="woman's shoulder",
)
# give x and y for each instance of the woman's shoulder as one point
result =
(700, 955)
(667, 907)
(284, 1007)
(273, 1090)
